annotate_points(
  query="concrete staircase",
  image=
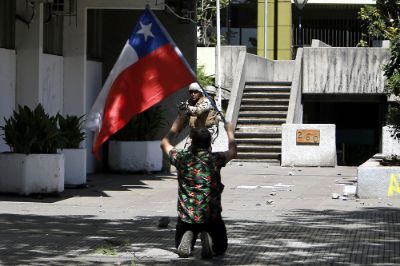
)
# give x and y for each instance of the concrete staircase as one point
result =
(262, 111)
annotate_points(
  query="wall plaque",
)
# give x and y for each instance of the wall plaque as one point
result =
(307, 136)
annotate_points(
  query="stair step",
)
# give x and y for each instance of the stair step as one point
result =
(258, 129)
(264, 101)
(280, 114)
(253, 155)
(257, 135)
(260, 141)
(267, 95)
(259, 149)
(264, 108)
(261, 121)
(274, 162)
(268, 83)
(266, 89)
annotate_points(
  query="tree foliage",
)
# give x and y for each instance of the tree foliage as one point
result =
(202, 77)
(206, 21)
(383, 21)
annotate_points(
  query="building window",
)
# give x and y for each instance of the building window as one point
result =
(7, 24)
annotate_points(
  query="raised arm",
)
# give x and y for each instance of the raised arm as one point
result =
(176, 127)
(232, 149)
(200, 108)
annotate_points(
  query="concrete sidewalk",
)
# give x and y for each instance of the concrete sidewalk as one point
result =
(274, 216)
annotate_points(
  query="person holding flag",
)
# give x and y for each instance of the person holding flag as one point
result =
(149, 68)
(199, 190)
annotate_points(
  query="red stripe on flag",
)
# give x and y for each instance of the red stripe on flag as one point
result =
(140, 86)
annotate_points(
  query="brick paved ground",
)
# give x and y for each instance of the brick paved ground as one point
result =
(274, 216)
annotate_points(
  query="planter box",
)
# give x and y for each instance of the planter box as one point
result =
(33, 173)
(377, 181)
(134, 156)
(75, 167)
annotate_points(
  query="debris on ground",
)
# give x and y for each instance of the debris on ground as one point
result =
(269, 202)
(163, 222)
(335, 196)
(276, 187)
(349, 190)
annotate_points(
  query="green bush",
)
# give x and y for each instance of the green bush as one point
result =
(71, 128)
(202, 77)
(143, 127)
(32, 131)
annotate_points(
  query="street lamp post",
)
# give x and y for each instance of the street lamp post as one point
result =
(300, 5)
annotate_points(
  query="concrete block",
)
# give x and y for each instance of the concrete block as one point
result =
(32, 173)
(133, 156)
(377, 181)
(321, 154)
(75, 167)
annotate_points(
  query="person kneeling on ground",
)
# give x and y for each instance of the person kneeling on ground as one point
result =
(199, 190)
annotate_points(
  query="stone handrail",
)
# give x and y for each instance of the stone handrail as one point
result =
(237, 89)
(294, 115)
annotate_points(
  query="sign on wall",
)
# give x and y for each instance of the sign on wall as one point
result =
(307, 136)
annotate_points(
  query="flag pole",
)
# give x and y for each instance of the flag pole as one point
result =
(218, 64)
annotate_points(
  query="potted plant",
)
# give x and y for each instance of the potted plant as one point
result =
(135, 148)
(71, 128)
(33, 165)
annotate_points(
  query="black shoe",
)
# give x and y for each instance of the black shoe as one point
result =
(185, 247)
(206, 244)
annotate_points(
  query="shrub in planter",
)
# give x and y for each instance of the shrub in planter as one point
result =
(32, 131)
(143, 127)
(71, 128)
(135, 148)
(33, 166)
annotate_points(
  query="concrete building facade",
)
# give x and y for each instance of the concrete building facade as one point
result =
(58, 53)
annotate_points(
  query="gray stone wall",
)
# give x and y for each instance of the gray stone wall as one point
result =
(344, 70)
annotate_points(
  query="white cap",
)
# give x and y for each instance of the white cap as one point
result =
(210, 89)
(195, 87)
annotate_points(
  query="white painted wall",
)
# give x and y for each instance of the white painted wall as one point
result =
(51, 76)
(28, 44)
(206, 57)
(7, 88)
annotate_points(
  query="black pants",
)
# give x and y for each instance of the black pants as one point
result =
(216, 228)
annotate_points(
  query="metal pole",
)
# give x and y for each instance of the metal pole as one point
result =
(266, 28)
(218, 65)
(300, 38)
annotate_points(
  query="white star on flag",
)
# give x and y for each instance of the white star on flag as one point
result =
(146, 31)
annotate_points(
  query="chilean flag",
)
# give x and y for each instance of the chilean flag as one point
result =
(149, 68)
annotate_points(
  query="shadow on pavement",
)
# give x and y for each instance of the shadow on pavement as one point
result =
(95, 187)
(365, 237)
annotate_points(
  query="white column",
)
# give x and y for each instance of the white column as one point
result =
(74, 51)
(29, 46)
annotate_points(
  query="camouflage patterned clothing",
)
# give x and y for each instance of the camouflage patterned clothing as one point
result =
(202, 114)
(200, 186)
